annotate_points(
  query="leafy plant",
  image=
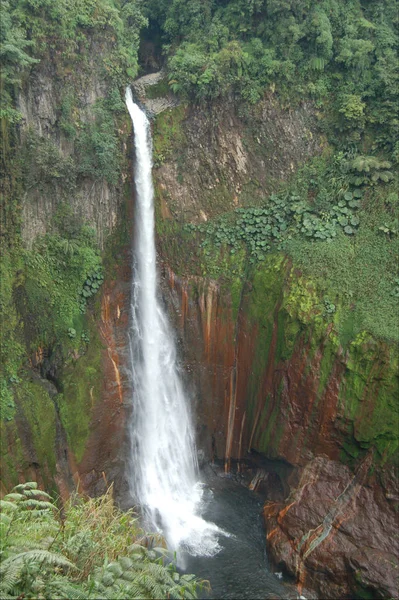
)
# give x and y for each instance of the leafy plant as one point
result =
(90, 287)
(395, 291)
(390, 229)
(370, 170)
(329, 307)
(88, 549)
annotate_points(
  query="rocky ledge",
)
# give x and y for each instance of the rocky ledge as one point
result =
(157, 101)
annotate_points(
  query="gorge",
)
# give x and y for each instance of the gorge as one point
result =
(275, 198)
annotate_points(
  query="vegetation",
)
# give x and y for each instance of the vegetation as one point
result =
(59, 274)
(341, 54)
(30, 30)
(85, 549)
(337, 220)
(339, 230)
(46, 288)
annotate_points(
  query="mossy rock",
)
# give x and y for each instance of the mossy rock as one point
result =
(82, 381)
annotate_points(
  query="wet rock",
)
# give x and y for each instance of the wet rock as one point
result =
(336, 533)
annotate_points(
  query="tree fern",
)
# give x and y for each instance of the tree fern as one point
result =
(14, 569)
(13, 496)
(32, 503)
(41, 556)
(60, 587)
(10, 576)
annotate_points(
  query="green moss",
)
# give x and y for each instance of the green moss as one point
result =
(369, 395)
(120, 238)
(82, 382)
(38, 409)
(236, 291)
(159, 90)
(11, 349)
(329, 350)
(261, 303)
(168, 134)
(12, 454)
(217, 200)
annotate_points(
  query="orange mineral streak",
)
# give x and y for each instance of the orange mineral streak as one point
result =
(117, 375)
(207, 304)
(267, 382)
(106, 329)
(232, 397)
(184, 304)
(240, 442)
(171, 277)
(283, 512)
(272, 533)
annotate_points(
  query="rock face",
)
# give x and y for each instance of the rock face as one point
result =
(265, 370)
(268, 372)
(71, 434)
(214, 160)
(145, 91)
(336, 532)
(41, 102)
(273, 379)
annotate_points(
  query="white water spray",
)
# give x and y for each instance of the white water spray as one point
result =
(164, 461)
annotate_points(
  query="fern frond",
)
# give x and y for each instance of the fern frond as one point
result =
(37, 494)
(60, 587)
(10, 576)
(44, 512)
(41, 556)
(5, 505)
(4, 519)
(13, 496)
(139, 549)
(38, 504)
(22, 487)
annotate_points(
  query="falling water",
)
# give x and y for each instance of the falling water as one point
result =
(164, 461)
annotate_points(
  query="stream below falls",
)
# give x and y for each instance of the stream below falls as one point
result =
(240, 570)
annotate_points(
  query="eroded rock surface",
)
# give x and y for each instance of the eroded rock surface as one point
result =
(336, 532)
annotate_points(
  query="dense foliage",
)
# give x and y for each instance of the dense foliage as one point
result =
(86, 549)
(340, 53)
(338, 217)
(44, 293)
(31, 29)
(45, 289)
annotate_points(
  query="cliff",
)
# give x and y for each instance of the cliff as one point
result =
(276, 369)
(277, 365)
(66, 214)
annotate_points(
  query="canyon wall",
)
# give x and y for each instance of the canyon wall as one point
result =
(266, 369)
(271, 372)
(66, 420)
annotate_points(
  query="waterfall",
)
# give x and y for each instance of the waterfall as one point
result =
(164, 460)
